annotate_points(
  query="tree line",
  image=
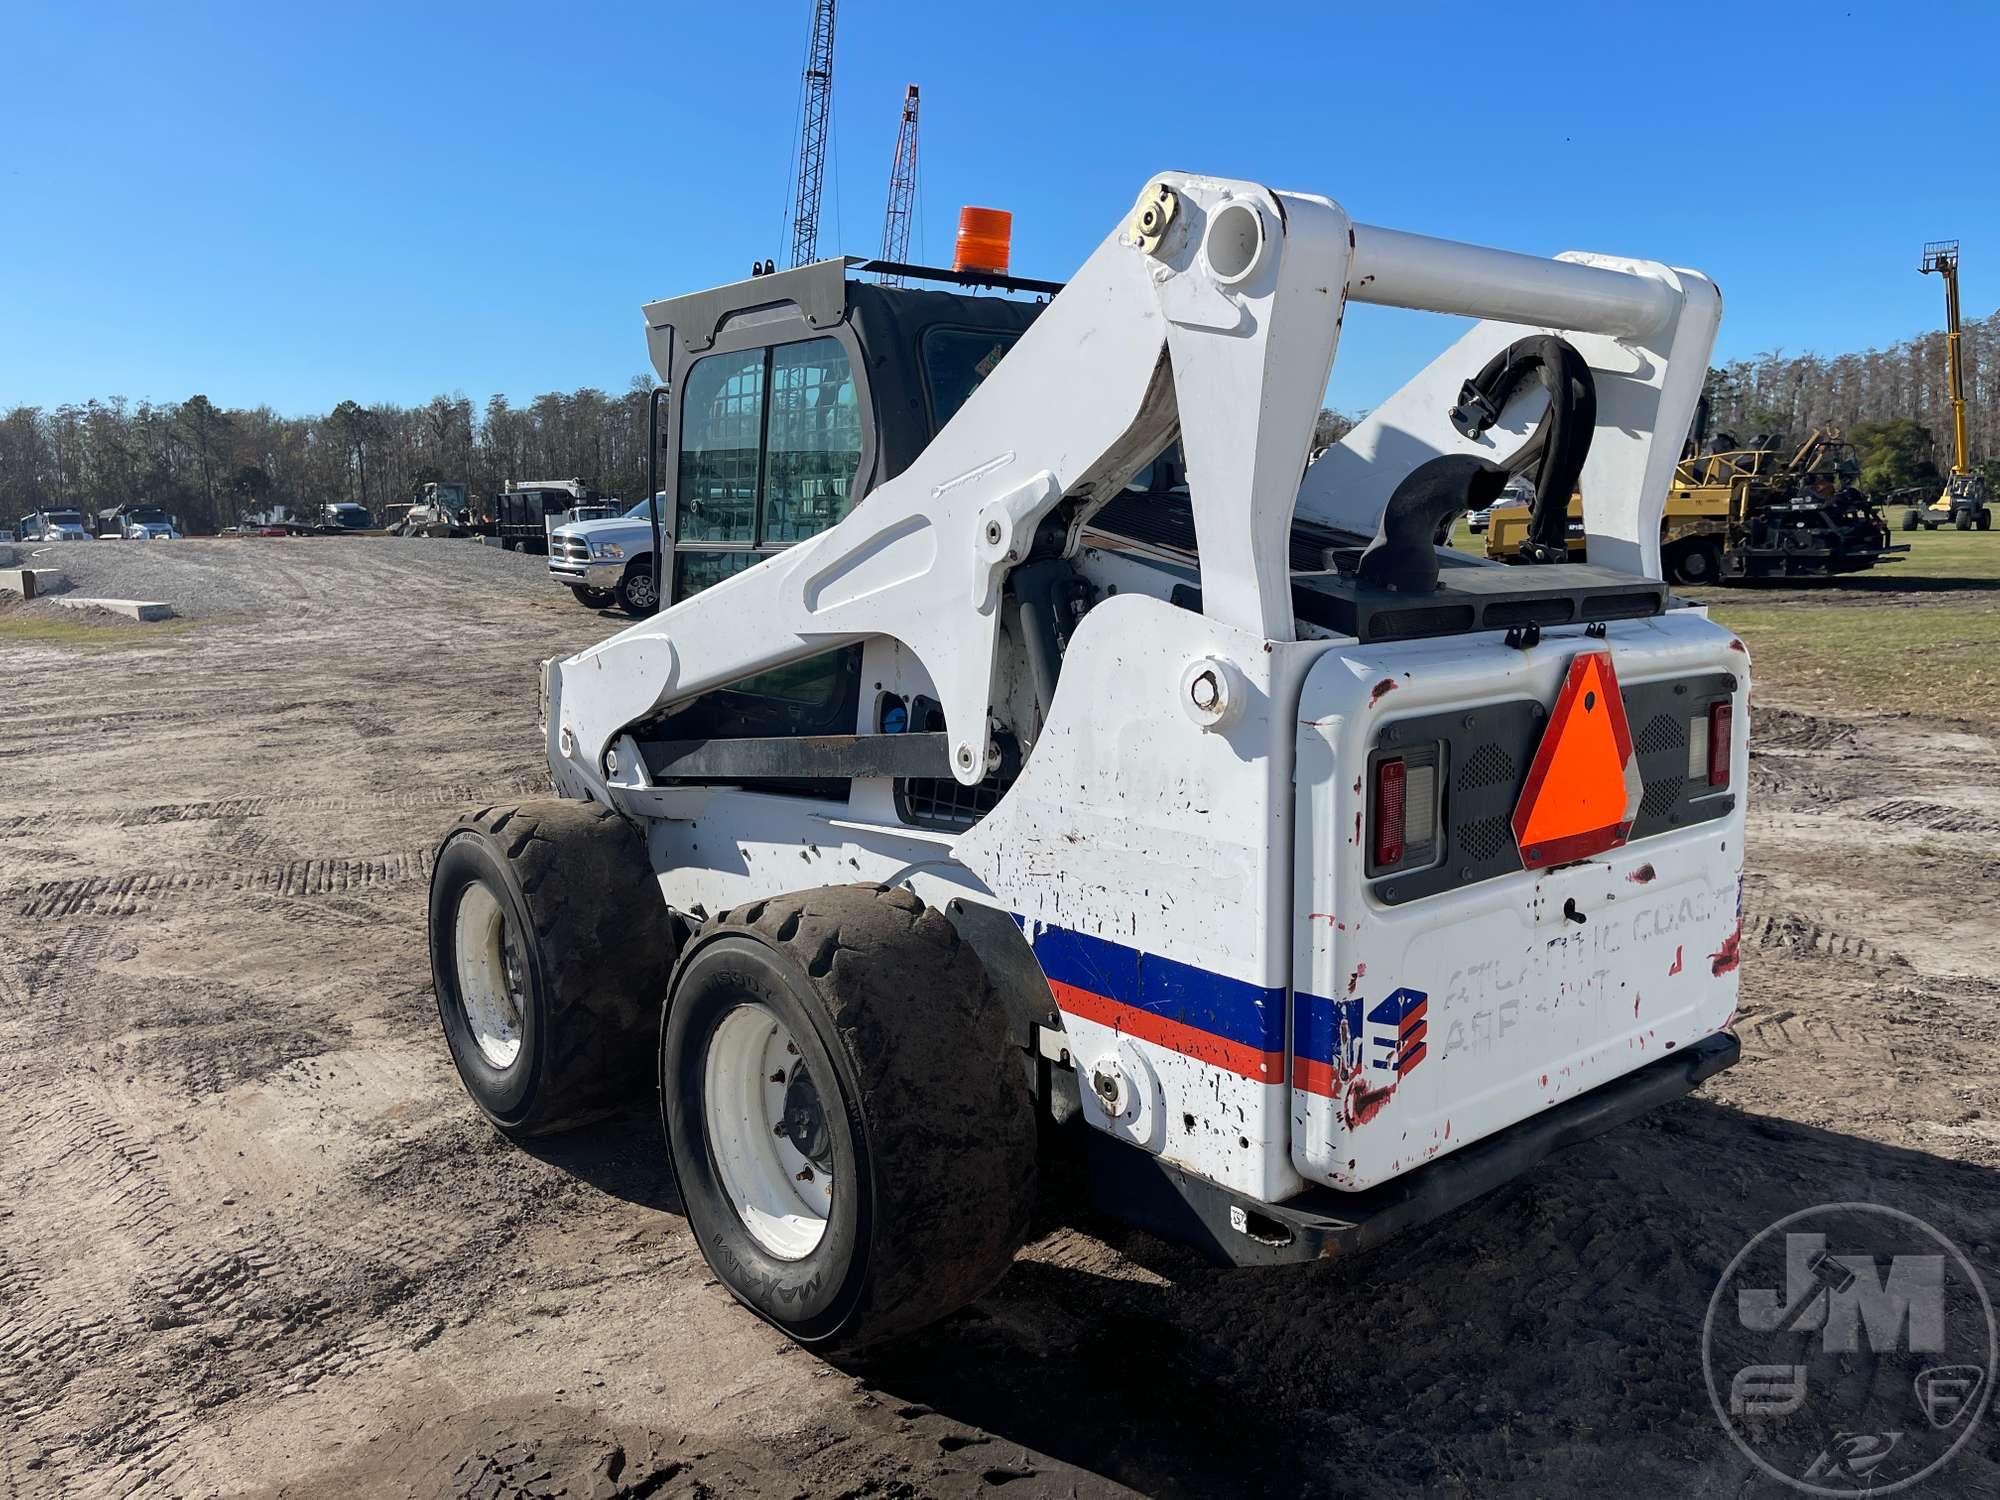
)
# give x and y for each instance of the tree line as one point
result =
(214, 466)
(1894, 403)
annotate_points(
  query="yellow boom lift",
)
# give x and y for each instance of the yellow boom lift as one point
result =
(1963, 501)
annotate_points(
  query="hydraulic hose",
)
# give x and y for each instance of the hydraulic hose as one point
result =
(1565, 431)
(1435, 491)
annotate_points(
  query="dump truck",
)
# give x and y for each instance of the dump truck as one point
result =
(528, 511)
(58, 523)
(143, 522)
(1736, 512)
(988, 795)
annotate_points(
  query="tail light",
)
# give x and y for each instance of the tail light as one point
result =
(1391, 805)
(1403, 809)
(1708, 744)
(1721, 722)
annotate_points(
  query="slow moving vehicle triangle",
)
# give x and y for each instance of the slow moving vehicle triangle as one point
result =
(1583, 787)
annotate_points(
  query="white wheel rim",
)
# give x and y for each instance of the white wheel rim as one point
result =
(782, 1196)
(491, 986)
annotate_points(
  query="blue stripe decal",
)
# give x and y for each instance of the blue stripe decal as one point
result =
(1319, 1026)
(1251, 1015)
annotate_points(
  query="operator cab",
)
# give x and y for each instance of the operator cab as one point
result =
(797, 392)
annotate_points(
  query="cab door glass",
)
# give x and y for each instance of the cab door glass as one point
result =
(722, 413)
(813, 443)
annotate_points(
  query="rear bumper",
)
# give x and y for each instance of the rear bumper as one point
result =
(1322, 1223)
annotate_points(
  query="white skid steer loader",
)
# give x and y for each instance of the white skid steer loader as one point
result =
(1029, 759)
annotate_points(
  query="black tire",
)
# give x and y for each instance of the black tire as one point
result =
(636, 593)
(594, 598)
(929, 1129)
(593, 947)
(1697, 563)
(1963, 520)
(1983, 521)
(1909, 520)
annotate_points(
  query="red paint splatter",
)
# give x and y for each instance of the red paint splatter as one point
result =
(1363, 1104)
(1635, 1005)
(1357, 828)
(1677, 962)
(1386, 685)
(1545, 1080)
(1725, 959)
(1357, 786)
(1736, 645)
(1355, 978)
(1320, 916)
(1447, 1130)
(1644, 875)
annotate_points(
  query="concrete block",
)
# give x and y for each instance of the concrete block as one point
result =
(138, 609)
(32, 583)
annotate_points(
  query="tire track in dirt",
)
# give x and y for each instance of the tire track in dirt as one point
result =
(44, 987)
(257, 807)
(1766, 1033)
(87, 1153)
(58, 1334)
(138, 892)
(36, 733)
(1774, 728)
(1795, 933)
(1934, 816)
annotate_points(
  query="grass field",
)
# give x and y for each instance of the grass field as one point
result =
(1920, 635)
(42, 630)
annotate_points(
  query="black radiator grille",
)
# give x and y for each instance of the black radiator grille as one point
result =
(1663, 735)
(947, 805)
(1489, 765)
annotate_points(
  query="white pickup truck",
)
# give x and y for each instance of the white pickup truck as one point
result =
(608, 561)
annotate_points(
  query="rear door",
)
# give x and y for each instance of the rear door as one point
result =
(1445, 986)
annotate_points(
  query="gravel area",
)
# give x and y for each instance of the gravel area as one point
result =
(215, 576)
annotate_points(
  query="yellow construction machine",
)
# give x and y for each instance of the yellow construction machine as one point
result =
(1964, 500)
(1747, 512)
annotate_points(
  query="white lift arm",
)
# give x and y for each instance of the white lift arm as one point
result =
(1214, 309)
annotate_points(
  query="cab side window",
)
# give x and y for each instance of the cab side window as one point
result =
(770, 450)
(722, 414)
(812, 442)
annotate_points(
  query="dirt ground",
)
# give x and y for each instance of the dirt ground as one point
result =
(253, 1238)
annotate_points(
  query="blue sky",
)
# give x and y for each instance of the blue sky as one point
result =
(295, 205)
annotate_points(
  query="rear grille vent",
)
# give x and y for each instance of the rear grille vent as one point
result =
(1663, 735)
(1484, 839)
(1489, 765)
(942, 803)
(945, 804)
(1661, 797)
